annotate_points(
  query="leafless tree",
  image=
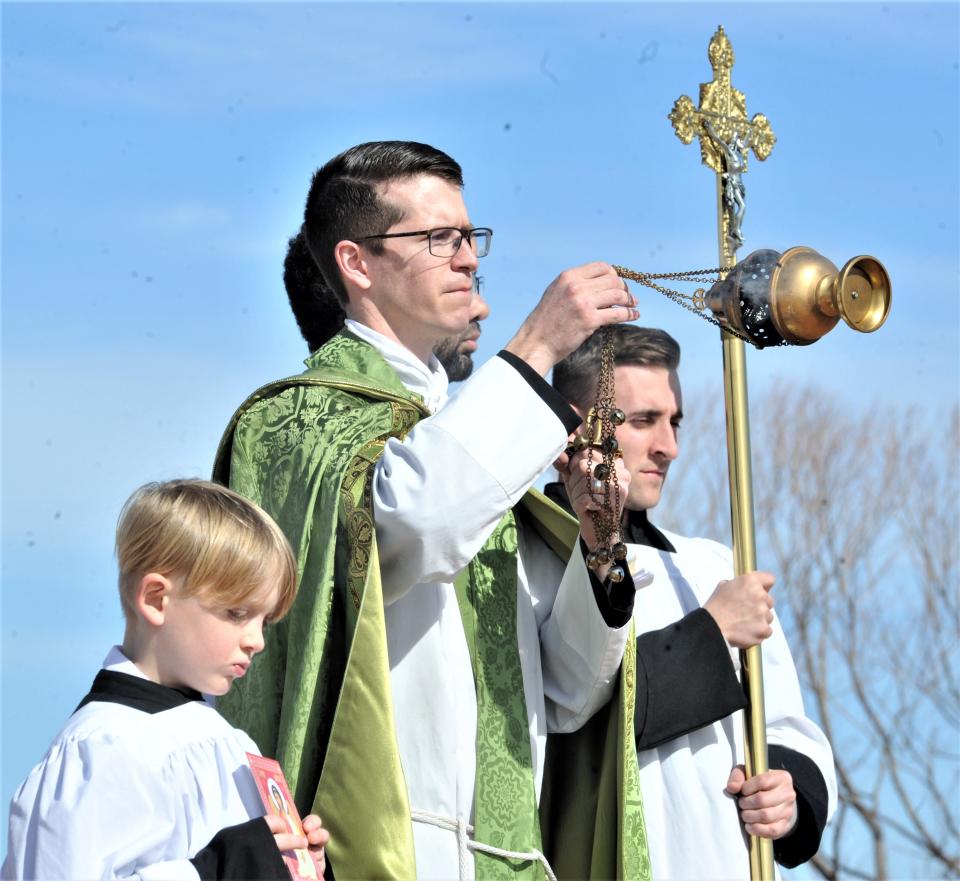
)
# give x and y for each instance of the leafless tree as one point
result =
(858, 513)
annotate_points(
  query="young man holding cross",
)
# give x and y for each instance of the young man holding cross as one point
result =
(692, 618)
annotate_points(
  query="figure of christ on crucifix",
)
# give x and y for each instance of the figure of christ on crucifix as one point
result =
(734, 190)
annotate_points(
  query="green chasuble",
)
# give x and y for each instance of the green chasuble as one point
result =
(318, 698)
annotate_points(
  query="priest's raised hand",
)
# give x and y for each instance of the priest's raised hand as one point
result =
(575, 304)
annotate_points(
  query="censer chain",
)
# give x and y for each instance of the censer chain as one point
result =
(694, 302)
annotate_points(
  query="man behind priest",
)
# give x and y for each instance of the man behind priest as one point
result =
(692, 619)
(438, 637)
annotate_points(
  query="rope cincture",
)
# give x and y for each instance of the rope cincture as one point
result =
(465, 844)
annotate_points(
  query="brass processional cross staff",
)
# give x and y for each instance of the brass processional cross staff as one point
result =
(767, 299)
(725, 136)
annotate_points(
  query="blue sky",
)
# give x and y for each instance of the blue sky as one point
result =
(156, 158)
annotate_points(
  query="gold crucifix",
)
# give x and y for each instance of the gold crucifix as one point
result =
(726, 136)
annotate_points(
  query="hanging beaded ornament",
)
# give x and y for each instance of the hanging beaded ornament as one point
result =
(598, 438)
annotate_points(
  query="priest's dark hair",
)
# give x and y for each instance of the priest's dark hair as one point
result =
(226, 550)
(317, 310)
(575, 377)
(345, 202)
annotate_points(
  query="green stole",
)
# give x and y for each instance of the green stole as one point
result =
(319, 697)
(505, 797)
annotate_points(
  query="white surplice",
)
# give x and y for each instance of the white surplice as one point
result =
(693, 826)
(123, 793)
(437, 497)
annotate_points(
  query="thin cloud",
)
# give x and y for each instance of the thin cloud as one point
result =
(187, 216)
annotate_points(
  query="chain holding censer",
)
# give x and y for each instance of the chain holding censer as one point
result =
(695, 302)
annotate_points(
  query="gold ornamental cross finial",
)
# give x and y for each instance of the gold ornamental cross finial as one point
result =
(726, 137)
(724, 109)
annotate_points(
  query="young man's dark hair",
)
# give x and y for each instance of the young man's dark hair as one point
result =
(317, 310)
(344, 202)
(575, 377)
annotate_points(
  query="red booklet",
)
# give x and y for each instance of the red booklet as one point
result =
(277, 800)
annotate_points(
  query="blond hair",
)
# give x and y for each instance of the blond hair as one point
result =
(225, 548)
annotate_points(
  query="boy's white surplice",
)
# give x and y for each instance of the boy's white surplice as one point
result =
(122, 793)
(693, 826)
(437, 497)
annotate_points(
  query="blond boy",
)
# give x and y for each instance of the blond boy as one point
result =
(146, 780)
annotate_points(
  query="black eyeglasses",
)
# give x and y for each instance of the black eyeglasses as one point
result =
(445, 241)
